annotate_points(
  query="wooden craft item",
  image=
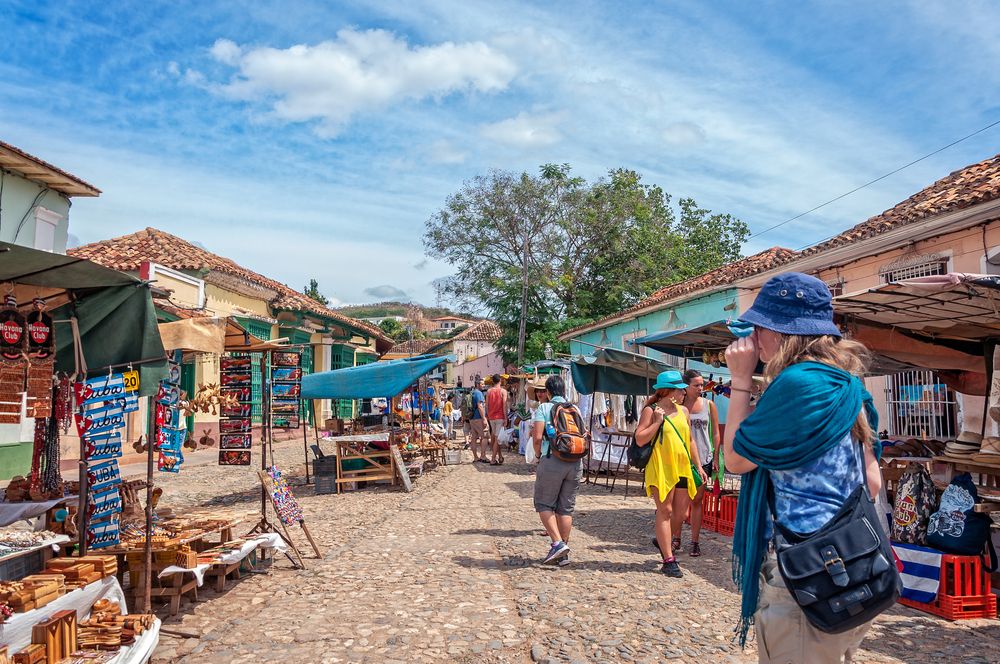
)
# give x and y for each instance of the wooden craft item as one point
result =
(67, 630)
(33, 654)
(47, 634)
(400, 467)
(4, 655)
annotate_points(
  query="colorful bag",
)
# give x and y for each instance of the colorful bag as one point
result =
(569, 439)
(956, 527)
(915, 501)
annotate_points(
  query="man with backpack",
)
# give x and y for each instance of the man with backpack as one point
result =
(477, 423)
(561, 442)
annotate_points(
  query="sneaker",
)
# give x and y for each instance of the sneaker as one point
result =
(672, 569)
(695, 550)
(564, 561)
(558, 551)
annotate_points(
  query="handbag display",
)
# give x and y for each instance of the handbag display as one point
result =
(956, 527)
(915, 501)
(844, 574)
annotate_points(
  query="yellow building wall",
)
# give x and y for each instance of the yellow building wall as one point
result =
(225, 302)
(183, 295)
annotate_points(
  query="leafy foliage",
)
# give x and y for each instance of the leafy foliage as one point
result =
(312, 290)
(590, 248)
(393, 328)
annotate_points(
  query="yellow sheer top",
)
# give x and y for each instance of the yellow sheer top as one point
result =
(670, 461)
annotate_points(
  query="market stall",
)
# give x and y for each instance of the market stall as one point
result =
(378, 454)
(942, 491)
(615, 381)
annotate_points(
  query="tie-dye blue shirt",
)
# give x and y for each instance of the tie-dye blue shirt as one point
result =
(806, 498)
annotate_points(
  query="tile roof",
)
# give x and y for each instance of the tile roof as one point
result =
(15, 159)
(416, 346)
(976, 183)
(484, 330)
(126, 253)
(720, 276)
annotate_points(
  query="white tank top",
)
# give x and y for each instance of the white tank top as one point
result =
(699, 431)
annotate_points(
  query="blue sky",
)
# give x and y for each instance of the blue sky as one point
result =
(313, 139)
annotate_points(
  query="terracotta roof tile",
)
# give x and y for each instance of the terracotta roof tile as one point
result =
(976, 183)
(416, 346)
(721, 276)
(484, 330)
(126, 253)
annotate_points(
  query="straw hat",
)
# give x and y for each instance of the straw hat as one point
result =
(970, 438)
(990, 445)
(536, 384)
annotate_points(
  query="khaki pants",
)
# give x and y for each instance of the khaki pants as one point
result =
(479, 440)
(784, 635)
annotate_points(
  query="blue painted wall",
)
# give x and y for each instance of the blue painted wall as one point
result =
(689, 314)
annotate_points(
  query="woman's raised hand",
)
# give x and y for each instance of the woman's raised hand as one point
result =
(741, 358)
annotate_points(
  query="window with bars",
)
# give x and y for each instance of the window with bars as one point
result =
(924, 268)
(920, 405)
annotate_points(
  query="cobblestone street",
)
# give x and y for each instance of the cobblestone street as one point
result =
(447, 573)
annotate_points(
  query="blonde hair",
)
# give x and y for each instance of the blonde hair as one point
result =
(851, 356)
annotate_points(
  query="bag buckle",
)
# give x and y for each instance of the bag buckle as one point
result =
(835, 566)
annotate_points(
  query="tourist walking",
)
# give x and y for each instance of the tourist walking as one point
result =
(449, 423)
(674, 462)
(704, 419)
(477, 423)
(496, 413)
(805, 453)
(557, 482)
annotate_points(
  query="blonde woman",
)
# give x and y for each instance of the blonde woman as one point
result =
(674, 462)
(804, 446)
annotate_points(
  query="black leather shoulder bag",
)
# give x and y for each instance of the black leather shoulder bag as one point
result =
(842, 575)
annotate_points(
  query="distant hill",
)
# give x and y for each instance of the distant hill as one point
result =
(385, 309)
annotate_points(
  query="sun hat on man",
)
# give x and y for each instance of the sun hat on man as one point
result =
(670, 380)
(793, 303)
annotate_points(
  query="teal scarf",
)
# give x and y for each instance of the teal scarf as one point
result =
(807, 410)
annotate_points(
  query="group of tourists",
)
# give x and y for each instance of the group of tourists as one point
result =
(483, 415)
(810, 556)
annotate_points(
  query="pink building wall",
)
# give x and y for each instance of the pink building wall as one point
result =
(486, 365)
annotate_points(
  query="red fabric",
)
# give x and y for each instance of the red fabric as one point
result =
(495, 403)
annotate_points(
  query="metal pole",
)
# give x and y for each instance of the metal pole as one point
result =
(305, 433)
(147, 545)
(265, 425)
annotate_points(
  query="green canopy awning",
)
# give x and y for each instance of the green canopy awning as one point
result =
(614, 371)
(114, 311)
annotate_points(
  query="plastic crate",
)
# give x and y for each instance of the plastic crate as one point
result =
(710, 518)
(957, 608)
(13, 569)
(326, 484)
(964, 593)
(726, 521)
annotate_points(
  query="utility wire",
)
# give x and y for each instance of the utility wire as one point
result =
(871, 182)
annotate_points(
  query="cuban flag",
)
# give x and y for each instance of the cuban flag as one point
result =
(920, 570)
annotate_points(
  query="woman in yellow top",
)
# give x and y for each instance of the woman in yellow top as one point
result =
(664, 424)
(446, 419)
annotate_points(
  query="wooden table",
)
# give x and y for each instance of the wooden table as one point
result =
(380, 462)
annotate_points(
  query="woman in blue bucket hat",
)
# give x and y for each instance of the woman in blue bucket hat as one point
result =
(673, 463)
(803, 446)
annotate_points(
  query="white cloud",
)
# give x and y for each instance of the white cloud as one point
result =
(173, 68)
(684, 134)
(525, 131)
(226, 51)
(358, 72)
(387, 292)
(446, 152)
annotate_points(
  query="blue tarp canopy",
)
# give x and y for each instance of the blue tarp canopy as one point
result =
(690, 342)
(370, 381)
(614, 371)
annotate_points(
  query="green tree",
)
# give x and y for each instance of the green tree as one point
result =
(554, 247)
(393, 329)
(312, 290)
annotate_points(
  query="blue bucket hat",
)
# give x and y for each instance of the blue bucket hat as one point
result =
(793, 303)
(670, 380)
